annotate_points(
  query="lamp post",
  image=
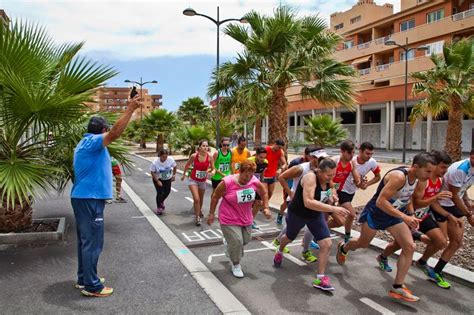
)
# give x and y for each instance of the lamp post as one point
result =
(406, 49)
(141, 84)
(218, 23)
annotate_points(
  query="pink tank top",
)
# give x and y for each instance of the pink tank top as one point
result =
(199, 172)
(236, 205)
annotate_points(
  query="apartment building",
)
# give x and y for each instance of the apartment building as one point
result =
(379, 114)
(4, 19)
(114, 99)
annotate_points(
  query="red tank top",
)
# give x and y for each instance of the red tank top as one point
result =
(199, 172)
(432, 188)
(342, 173)
(272, 158)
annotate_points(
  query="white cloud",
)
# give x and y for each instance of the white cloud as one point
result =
(129, 29)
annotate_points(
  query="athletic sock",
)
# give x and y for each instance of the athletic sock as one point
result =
(440, 266)
(422, 262)
(348, 234)
(397, 286)
(319, 276)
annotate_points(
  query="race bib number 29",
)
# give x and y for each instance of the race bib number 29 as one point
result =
(245, 195)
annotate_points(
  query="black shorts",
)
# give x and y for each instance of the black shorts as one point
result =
(344, 197)
(428, 224)
(215, 183)
(270, 180)
(453, 210)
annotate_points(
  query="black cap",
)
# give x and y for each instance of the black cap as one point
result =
(97, 124)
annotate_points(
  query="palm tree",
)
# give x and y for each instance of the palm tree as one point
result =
(322, 130)
(284, 50)
(194, 111)
(186, 140)
(43, 88)
(448, 88)
(159, 123)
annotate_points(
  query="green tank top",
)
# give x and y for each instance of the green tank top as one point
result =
(222, 163)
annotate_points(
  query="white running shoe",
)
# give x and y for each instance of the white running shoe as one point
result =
(237, 271)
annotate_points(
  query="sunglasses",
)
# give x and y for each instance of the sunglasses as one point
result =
(226, 145)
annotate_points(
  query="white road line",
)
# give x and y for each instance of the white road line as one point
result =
(174, 189)
(138, 217)
(216, 290)
(148, 174)
(133, 165)
(376, 306)
(189, 199)
(139, 169)
(288, 256)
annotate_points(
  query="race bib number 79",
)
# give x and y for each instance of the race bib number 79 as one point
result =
(245, 195)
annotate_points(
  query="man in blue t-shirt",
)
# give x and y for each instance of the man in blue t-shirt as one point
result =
(92, 187)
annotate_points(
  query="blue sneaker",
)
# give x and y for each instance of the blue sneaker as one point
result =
(314, 245)
(383, 264)
(279, 219)
(255, 226)
(429, 272)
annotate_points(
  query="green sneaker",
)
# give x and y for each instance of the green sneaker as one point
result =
(276, 243)
(439, 280)
(308, 256)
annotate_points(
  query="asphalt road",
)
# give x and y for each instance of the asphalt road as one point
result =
(360, 286)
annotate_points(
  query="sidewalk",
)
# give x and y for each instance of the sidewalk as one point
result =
(146, 275)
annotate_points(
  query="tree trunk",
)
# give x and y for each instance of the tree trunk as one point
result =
(453, 136)
(143, 143)
(160, 141)
(258, 131)
(15, 219)
(278, 118)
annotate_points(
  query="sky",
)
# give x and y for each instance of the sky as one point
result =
(153, 40)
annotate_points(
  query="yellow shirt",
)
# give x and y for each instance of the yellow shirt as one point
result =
(238, 158)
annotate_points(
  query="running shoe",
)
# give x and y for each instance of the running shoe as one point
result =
(439, 280)
(237, 271)
(276, 243)
(277, 259)
(82, 287)
(255, 226)
(323, 283)
(383, 264)
(313, 245)
(120, 200)
(403, 293)
(280, 219)
(308, 256)
(429, 272)
(106, 291)
(109, 201)
(198, 221)
(159, 211)
(340, 256)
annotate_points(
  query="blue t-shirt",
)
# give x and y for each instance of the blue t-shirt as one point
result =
(92, 170)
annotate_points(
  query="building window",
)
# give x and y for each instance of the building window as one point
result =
(339, 26)
(372, 117)
(292, 121)
(348, 118)
(435, 48)
(348, 44)
(471, 6)
(434, 16)
(399, 114)
(411, 55)
(356, 19)
(404, 26)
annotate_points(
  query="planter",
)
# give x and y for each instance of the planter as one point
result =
(36, 237)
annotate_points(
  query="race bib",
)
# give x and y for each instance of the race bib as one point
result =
(422, 212)
(399, 204)
(237, 166)
(325, 195)
(201, 174)
(166, 174)
(224, 167)
(245, 195)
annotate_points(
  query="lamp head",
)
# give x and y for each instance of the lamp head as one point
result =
(243, 20)
(189, 12)
(127, 81)
(390, 43)
(154, 81)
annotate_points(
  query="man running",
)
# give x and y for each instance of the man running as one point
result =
(364, 163)
(388, 210)
(425, 201)
(312, 198)
(345, 167)
(222, 159)
(239, 154)
(276, 164)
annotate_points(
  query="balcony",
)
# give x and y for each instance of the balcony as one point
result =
(363, 45)
(463, 15)
(381, 40)
(364, 71)
(382, 67)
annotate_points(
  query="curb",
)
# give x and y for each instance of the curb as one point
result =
(36, 237)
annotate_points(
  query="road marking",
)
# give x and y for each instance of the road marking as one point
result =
(133, 165)
(216, 290)
(189, 199)
(288, 256)
(139, 169)
(174, 189)
(148, 174)
(376, 306)
(138, 217)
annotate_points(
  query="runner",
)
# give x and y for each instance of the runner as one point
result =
(312, 198)
(364, 163)
(295, 174)
(457, 180)
(388, 210)
(345, 167)
(201, 161)
(240, 153)
(235, 211)
(261, 162)
(276, 164)
(163, 173)
(117, 173)
(425, 201)
(222, 160)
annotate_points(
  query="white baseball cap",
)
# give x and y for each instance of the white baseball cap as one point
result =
(319, 153)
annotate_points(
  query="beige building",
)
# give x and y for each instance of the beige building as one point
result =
(380, 84)
(4, 19)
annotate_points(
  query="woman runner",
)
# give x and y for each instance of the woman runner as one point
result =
(163, 172)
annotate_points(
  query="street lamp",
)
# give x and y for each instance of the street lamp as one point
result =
(192, 12)
(141, 84)
(406, 49)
